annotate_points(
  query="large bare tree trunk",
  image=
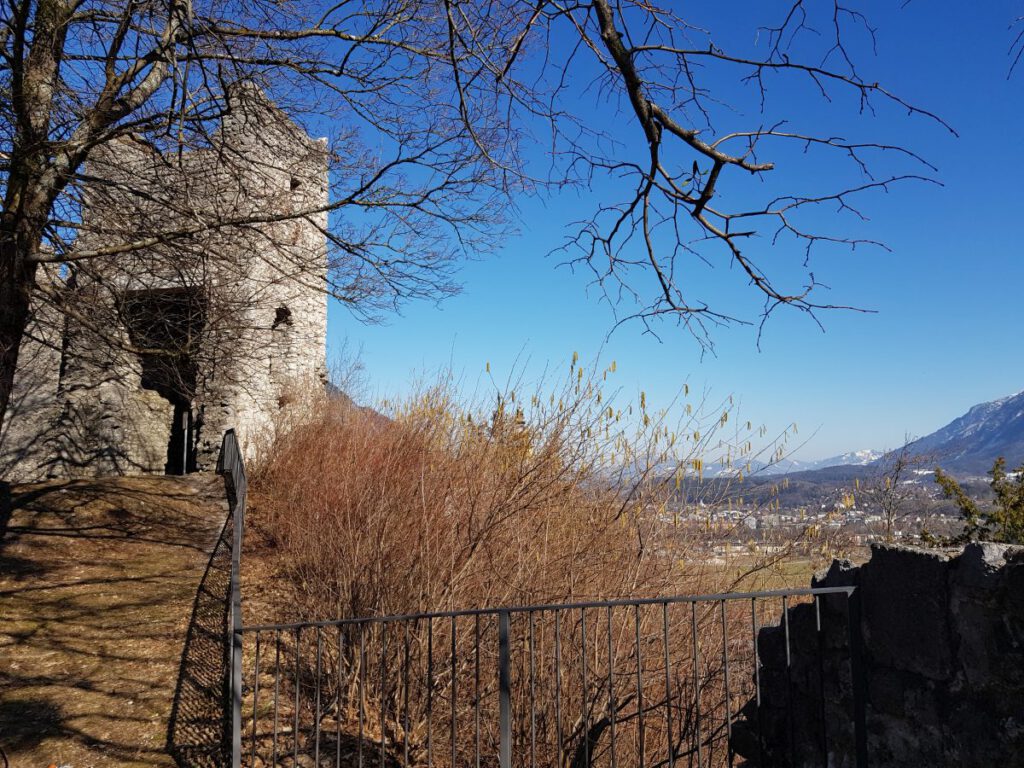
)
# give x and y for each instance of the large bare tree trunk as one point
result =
(17, 278)
(33, 178)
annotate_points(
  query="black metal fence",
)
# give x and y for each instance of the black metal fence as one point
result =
(654, 683)
(231, 466)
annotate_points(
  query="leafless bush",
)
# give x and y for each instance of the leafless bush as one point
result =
(557, 498)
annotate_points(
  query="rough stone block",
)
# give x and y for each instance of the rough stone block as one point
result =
(943, 658)
(905, 599)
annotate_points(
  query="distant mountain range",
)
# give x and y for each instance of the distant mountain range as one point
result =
(860, 458)
(863, 458)
(966, 446)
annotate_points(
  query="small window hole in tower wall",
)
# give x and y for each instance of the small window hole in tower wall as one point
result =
(282, 317)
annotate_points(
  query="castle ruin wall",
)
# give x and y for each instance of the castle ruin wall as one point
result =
(137, 363)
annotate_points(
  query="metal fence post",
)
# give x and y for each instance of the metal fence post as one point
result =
(504, 693)
(231, 466)
(236, 698)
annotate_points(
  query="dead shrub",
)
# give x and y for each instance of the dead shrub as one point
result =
(430, 505)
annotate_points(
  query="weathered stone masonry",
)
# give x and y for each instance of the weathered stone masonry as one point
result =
(138, 363)
(943, 640)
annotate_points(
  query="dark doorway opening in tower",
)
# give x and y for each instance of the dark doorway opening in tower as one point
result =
(165, 327)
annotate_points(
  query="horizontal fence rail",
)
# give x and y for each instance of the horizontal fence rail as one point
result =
(649, 683)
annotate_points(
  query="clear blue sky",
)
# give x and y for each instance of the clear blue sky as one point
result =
(949, 298)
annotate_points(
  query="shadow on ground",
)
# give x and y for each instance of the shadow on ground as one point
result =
(198, 733)
(97, 583)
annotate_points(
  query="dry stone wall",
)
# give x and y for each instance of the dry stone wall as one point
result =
(943, 665)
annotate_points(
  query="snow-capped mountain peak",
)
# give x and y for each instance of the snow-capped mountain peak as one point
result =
(970, 443)
(862, 457)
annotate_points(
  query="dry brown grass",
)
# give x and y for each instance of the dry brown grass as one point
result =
(97, 583)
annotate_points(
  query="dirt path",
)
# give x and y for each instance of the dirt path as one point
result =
(103, 659)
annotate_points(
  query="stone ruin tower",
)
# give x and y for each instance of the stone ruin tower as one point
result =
(137, 363)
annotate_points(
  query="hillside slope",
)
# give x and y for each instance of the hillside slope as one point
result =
(969, 444)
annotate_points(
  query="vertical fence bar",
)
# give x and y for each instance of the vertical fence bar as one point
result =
(533, 697)
(298, 687)
(405, 698)
(316, 706)
(757, 681)
(362, 692)
(789, 682)
(255, 698)
(639, 685)
(821, 680)
(558, 682)
(611, 686)
(584, 709)
(337, 709)
(277, 689)
(454, 671)
(668, 686)
(859, 679)
(383, 692)
(430, 692)
(476, 689)
(236, 694)
(504, 693)
(696, 683)
(728, 693)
